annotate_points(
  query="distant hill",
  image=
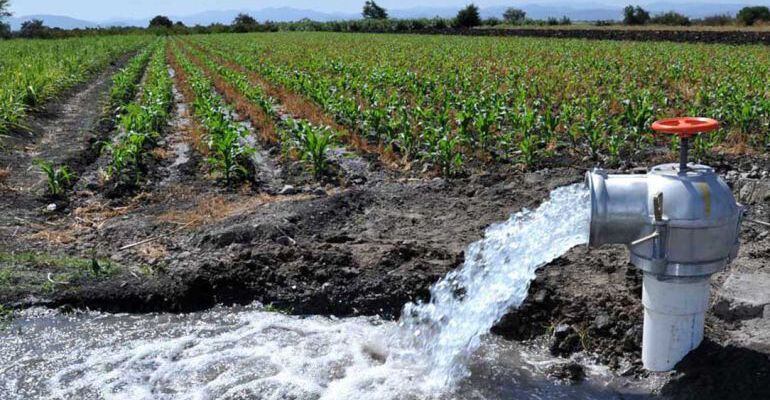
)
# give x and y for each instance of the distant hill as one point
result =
(58, 21)
(577, 11)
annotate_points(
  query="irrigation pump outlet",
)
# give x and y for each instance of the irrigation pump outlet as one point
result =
(680, 223)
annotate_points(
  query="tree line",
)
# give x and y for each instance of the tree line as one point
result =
(376, 19)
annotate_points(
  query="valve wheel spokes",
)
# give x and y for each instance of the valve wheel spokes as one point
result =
(685, 127)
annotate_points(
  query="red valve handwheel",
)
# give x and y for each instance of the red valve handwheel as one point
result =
(685, 127)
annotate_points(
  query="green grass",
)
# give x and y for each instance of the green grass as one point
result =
(6, 316)
(74, 266)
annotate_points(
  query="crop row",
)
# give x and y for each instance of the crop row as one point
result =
(298, 137)
(227, 140)
(519, 99)
(125, 82)
(34, 71)
(143, 120)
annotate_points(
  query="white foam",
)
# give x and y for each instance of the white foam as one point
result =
(246, 352)
(494, 278)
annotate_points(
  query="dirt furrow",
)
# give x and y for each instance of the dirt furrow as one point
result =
(299, 106)
(66, 132)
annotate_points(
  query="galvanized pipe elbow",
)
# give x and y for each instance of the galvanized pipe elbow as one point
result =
(619, 207)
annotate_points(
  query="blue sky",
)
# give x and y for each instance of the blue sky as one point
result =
(99, 10)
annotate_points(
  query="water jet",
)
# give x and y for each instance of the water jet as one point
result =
(680, 223)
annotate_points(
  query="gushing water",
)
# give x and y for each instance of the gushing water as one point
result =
(247, 353)
(496, 275)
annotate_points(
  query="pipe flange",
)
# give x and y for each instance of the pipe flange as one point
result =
(673, 269)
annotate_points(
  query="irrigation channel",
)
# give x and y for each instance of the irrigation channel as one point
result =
(437, 350)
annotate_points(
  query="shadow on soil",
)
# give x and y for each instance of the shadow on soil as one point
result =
(714, 371)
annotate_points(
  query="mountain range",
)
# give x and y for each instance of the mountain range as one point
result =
(575, 11)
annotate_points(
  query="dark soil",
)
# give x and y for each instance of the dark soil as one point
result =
(640, 35)
(66, 132)
(185, 242)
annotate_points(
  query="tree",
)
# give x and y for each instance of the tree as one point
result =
(514, 15)
(244, 19)
(373, 11)
(5, 29)
(161, 21)
(33, 29)
(671, 18)
(468, 17)
(4, 11)
(244, 23)
(635, 15)
(750, 15)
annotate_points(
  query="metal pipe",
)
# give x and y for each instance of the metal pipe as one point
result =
(680, 225)
(684, 147)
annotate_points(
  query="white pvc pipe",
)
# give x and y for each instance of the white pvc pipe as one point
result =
(674, 312)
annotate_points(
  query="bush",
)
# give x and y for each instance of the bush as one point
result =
(604, 22)
(716, 20)
(440, 23)
(565, 21)
(552, 21)
(34, 29)
(468, 17)
(750, 15)
(514, 16)
(635, 15)
(5, 31)
(492, 21)
(161, 21)
(244, 23)
(671, 18)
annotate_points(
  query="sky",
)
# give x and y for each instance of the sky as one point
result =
(98, 10)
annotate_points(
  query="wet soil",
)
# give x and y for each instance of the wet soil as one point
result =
(183, 242)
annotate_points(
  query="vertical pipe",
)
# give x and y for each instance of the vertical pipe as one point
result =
(674, 314)
(684, 146)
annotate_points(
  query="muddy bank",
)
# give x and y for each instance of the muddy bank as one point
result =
(360, 251)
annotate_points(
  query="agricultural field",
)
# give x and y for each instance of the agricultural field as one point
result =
(343, 174)
(33, 72)
(452, 101)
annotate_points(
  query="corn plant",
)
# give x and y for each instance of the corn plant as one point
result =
(313, 144)
(230, 154)
(412, 93)
(448, 156)
(58, 178)
(35, 71)
(124, 83)
(142, 120)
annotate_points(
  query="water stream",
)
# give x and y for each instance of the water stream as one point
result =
(438, 349)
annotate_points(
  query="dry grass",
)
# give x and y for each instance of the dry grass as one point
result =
(214, 208)
(152, 251)
(54, 236)
(160, 153)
